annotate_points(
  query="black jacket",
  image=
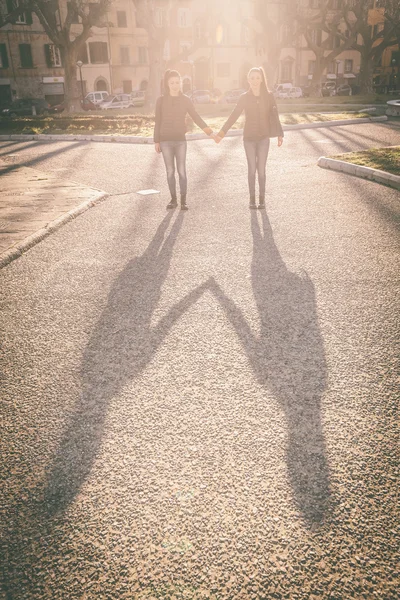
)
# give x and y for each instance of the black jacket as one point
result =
(262, 119)
(170, 123)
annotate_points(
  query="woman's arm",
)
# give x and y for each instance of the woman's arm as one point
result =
(197, 118)
(275, 113)
(233, 117)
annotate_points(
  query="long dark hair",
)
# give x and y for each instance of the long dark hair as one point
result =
(264, 84)
(167, 76)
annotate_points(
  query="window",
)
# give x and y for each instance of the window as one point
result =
(98, 52)
(127, 86)
(198, 30)
(313, 3)
(53, 56)
(3, 56)
(24, 18)
(348, 66)
(121, 18)
(332, 67)
(160, 19)
(83, 54)
(311, 67)
(336, 4)
(316, 36)
(167, 51)
(184, 48)
(75, 16)
(124, 54)
(246, 36)
(223, 69)
(285, 32)
(142, 55)
(25, 53)
(184, 19)
(287, 71)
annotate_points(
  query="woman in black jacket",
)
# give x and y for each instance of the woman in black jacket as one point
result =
(169, 133)
(262, 123)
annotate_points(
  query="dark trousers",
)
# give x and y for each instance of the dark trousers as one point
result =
(257, 154)
(175, 152)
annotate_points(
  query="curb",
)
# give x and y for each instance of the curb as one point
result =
(39, 235)
(359, 171)
(132, 139)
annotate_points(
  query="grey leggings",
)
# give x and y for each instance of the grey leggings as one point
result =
(175, 151)
(257, 154)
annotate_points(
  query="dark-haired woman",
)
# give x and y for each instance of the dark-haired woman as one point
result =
(261, 124)
(169, 133)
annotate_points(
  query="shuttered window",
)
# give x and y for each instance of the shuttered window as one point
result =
(98, 52)
(3, 57)
(25, 53)
(53, 56)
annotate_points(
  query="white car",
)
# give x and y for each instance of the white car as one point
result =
(295, 92)
(138, 98)
(117, 101)
(96, 98)
(201, 97)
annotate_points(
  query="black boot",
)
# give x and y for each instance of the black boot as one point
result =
(252, 203)
(184, 206)
(261, 202)
(173, 203)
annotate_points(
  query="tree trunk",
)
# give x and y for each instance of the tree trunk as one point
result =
(366, 74)
(316, 82)
(71, 90)
(155, 74)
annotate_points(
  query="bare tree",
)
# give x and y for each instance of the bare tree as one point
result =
(274, 28)
(68, 28)
(373, 41)
(10, 10)
(154, 17)
(328, 32)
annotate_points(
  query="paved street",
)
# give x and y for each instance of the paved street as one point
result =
(204, 404)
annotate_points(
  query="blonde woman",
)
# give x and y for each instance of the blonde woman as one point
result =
(262, 123)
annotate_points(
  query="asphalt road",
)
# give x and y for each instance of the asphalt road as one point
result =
(204, 404)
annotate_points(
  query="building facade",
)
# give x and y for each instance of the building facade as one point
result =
(212, 44)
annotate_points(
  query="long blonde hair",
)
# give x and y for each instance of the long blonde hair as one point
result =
(264, 85)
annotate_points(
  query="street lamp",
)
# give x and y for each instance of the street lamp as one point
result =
(79, 64)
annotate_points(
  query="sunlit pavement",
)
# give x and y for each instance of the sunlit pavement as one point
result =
(203, 405)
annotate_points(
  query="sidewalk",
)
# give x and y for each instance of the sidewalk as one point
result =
(34, 204)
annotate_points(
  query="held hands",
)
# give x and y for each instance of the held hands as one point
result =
(280, 141)
(157, 147)
(216, 138)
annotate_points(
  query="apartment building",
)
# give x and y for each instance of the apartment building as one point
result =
(114, 58)
(213, 45)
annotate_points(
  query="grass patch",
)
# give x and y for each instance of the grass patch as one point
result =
(140, 125)
(384, 159)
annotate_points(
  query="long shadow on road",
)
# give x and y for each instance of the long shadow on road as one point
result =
(288, 359)
(120, 347)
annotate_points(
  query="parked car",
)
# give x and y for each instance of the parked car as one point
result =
(295, 92)
(117, 101)
(85, 105)
(231, 96)
(329, 88)
(281, 90)
(24, 107)
(138, 98)
(96, 97)
(344, 90)
(201, 97)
